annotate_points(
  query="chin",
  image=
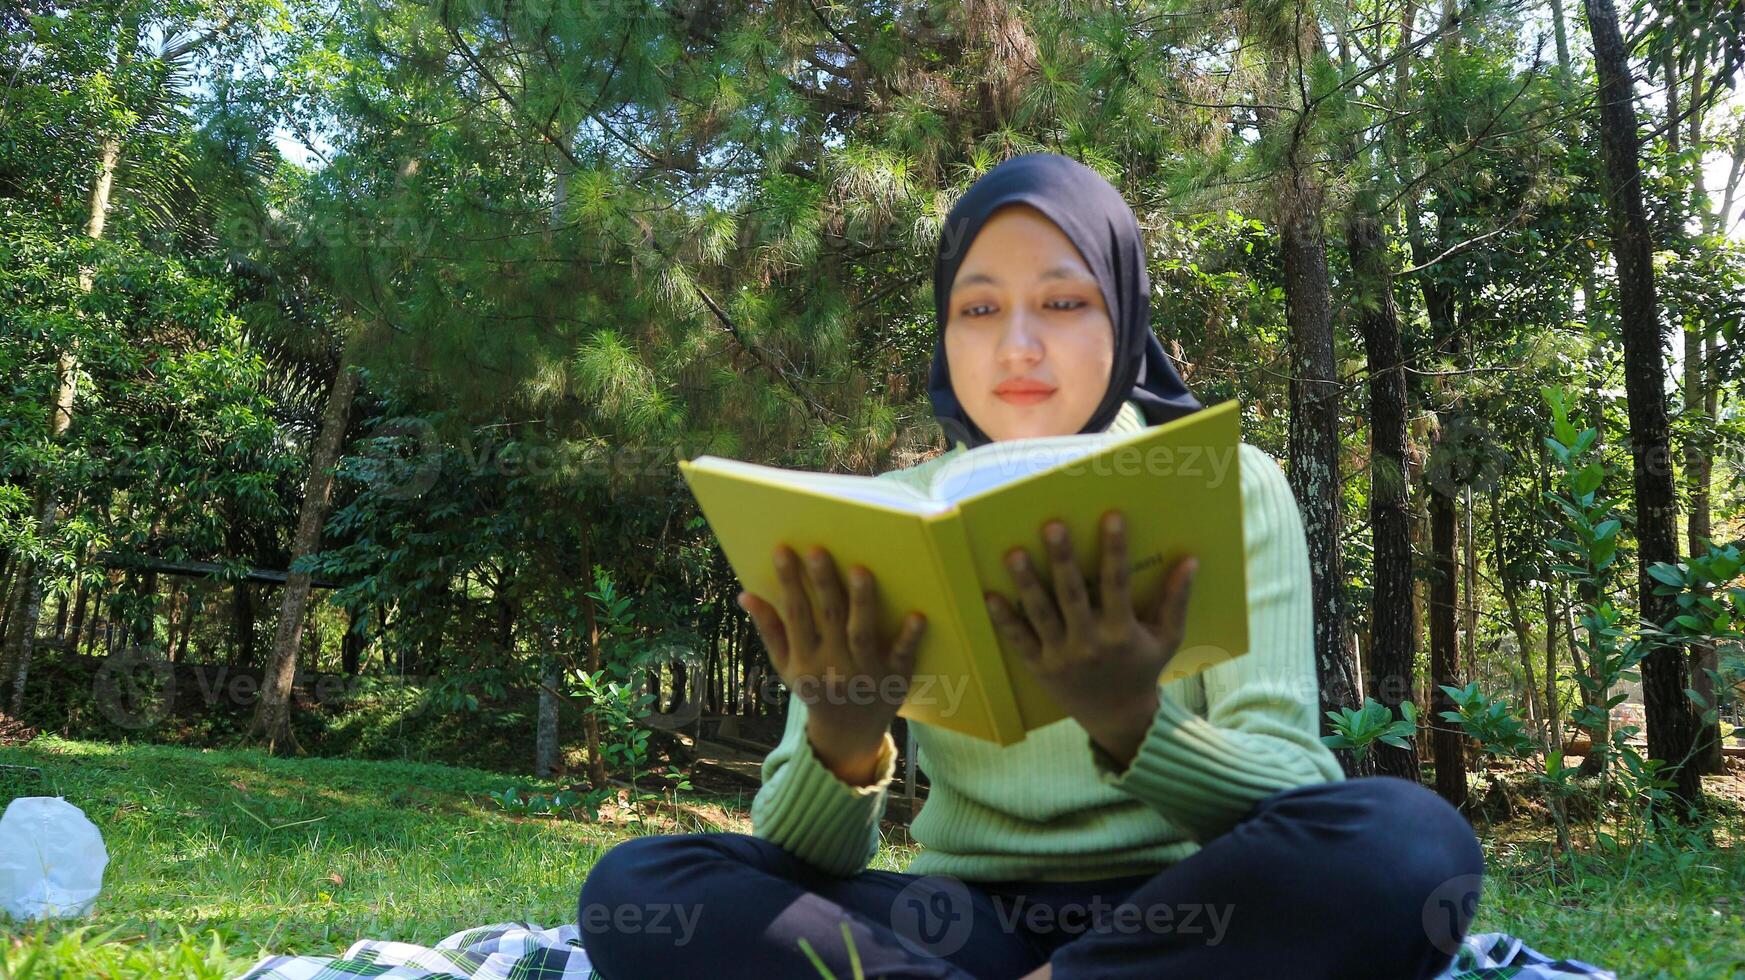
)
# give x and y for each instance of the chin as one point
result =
(1016, 424)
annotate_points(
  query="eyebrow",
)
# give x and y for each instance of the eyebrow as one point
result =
(1058, 272)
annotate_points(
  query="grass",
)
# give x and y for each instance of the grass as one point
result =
(1639, 914)
(219, 857)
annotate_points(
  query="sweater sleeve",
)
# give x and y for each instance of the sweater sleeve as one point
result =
(811, 812)
(1259, 734)
(808, 809)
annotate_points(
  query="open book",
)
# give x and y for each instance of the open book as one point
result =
(938, 549)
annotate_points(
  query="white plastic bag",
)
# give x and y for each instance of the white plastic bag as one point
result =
(51, 859)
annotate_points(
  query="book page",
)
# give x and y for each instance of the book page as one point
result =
(996, 464)
(1179, 485)
(865, 489)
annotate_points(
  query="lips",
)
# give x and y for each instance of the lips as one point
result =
(1023, 391)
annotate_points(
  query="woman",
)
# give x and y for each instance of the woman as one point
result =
(1196, 828)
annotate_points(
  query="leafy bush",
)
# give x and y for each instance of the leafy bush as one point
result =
(1374, 722)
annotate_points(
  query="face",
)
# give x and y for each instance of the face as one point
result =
(1028, 337)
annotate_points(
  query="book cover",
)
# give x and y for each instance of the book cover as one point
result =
(938, 550)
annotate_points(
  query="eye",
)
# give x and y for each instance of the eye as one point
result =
(1071, 304)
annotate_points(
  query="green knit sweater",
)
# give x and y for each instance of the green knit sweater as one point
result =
(1055, 806)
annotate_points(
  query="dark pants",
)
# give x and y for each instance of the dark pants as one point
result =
(1373, 877)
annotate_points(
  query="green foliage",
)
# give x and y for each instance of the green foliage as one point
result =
(1589, 553)
(1491, 722)
(1374, 722)
(615, 694)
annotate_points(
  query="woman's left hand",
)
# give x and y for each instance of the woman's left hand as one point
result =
(1100, 661)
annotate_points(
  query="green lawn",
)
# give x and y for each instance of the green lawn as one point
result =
(217, 857)
(248, 854)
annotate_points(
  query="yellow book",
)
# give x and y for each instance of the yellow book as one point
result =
(939, 549)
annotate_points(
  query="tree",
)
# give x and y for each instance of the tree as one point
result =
(272, 720)
(1393, 629)
(1298, 196)
(1672, 728)
(95, 79)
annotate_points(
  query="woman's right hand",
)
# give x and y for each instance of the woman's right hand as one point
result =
(851, 680)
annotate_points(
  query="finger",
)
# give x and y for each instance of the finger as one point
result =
(1117, 601)
(1038, 605)
(769, 627)
(832, 605)
(796, 608)
(1173, 611)
(906, 646)
(1069, 581)
(863, 637)
(1012, 628)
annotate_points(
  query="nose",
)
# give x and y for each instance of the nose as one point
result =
(1019, 343)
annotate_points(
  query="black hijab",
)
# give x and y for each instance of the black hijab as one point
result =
(1097, 219)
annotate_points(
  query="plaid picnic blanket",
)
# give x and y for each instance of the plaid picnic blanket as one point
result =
(520, 951)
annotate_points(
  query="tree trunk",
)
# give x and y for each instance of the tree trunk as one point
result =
(351, 648)
(1511, 589)
(545, 742)
(1699, 411)
(681, 677)
(8, 572)
(76, 628)
(242, 619)
(311, 645)
(1314, 431)
(272, 722)
(60, 628)
(1672, 721)
(1599, 733)
(1705, 658)
(591, 722)
(1447, 743)
(1393, 648)
(1469, 591)
(185, 625)
(1553, 710)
